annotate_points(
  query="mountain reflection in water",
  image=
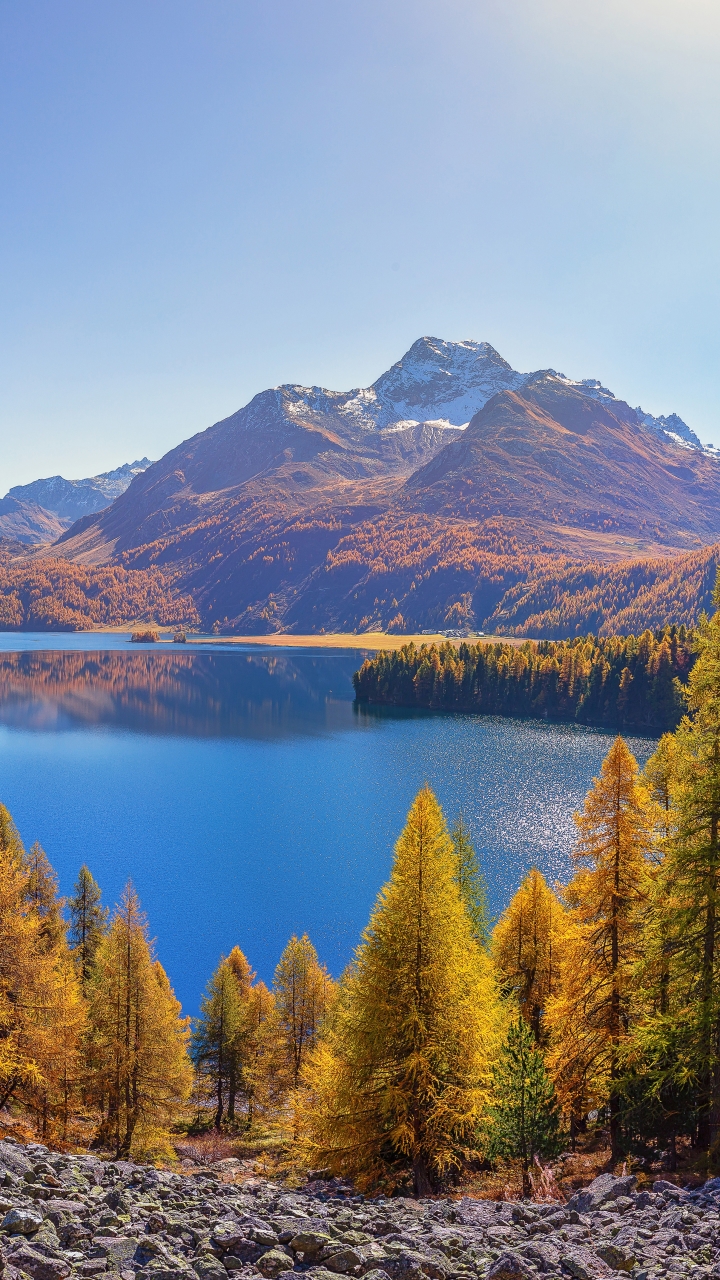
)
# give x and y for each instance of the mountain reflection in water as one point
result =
(201, 695)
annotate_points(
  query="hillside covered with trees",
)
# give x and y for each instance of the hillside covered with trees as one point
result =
(55, 595)
(621, 681)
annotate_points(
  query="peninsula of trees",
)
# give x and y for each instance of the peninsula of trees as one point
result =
(620, 681)
(446, 1043)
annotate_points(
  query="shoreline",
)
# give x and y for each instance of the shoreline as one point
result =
(331, 640)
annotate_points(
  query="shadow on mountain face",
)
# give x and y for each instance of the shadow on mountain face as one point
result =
(223, 695)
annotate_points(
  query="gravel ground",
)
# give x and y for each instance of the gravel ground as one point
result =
(77, 1215)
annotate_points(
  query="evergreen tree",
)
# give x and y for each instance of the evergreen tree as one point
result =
(527, 947)
(471, 883)
(589, 1018)
(216, 1033)
(400, 1077)
(303, 992)
(523, 1121)
(684, 1043)
(88, 922)
(138, 1037)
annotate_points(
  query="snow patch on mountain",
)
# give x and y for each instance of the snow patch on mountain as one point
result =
(70, 499)
(445, 384)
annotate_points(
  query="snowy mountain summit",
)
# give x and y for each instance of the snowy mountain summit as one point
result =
(445, 384)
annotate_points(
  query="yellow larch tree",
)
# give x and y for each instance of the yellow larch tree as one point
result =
(401, 1075)
(303, 991)
(589, 1017)
(260, 1083)
(41, 1013)
(138, 1038)
(527, 947)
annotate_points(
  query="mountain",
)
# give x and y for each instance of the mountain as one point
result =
(551, 455)
(417, 501)
(42, 510)
(29, 523)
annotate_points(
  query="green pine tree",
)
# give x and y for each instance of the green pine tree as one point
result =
(524, 1121)
(88, 923)
(215, 1035)
(471, 883)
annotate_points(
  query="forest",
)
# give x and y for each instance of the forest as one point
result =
(451, 1042)
(55, 595)
(618, 682)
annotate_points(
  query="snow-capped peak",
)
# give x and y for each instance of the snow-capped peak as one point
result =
(446, 383)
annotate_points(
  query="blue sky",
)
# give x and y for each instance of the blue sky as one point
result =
(202, 198)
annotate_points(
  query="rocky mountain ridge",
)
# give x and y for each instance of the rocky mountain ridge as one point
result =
(43, 509)
(312, 509)
(67, 1215)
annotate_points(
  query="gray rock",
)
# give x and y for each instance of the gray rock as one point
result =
(601, 1191)
(116, 1248)
(343, 1261)
(583, 1264)
(38, 1266)
(207, 1268)
(22, 1222)
(309, 1244)
(509, 1266)
(617, 1257)
(272, 1263)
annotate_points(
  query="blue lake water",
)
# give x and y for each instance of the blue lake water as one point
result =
(248, 797)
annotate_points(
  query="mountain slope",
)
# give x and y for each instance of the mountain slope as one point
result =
(72, 499)
(41, 511)
(29, 523)
(310, 508)
(556, 457)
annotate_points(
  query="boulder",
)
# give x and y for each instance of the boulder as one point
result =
(38, 1266)
(207, 1268)
(71, 1208)
(310, 1244)
(22, 1222)
(617, 1257)
(583, 1264)
(342, 1261)
(272, 1263)
(509, 1266)
(601, 1191)
(116, 1249)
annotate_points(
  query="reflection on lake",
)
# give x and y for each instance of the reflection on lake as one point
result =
(248, 797)
(211, 695)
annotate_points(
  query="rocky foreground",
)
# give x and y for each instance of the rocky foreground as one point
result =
(78, 1215)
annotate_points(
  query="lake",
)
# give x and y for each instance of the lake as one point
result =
(248, 797)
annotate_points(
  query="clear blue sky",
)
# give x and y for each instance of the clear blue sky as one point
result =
(202, 198)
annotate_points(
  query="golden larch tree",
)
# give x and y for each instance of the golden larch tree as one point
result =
(139, 1039)
(41, 1016)
(527, 947)
(303, 991)
(589, 1018)
(400, 1076)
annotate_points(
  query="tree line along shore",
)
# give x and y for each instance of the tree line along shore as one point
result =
(451, 1042)
(623, 682)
